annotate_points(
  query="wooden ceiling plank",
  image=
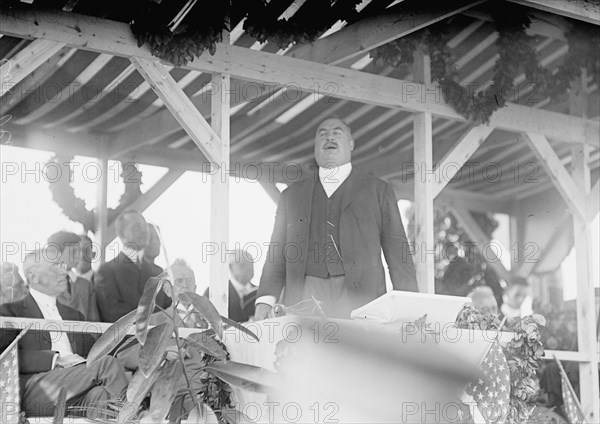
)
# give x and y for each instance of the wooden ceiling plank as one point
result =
(26, 61)
(180, 106)
(116, 38)
(587, 11)
(369, 33)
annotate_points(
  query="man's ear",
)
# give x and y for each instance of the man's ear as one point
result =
(351, 144)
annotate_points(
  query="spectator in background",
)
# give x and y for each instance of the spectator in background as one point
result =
(184, 280)
(152, 249)
(483, 299)
(513, 298)
(242, 293)
(80, 293)
(88, 254)
(120, 283)
(12, 285)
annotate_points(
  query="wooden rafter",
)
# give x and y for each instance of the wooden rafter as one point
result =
(561, 178)
(181, 107)
(583, 10)
(454, 160)
(483, 243)
(146, 199)
(26, 61)
(116, 38)
(369, 33)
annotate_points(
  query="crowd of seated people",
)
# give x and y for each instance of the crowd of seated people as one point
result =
(58, 283)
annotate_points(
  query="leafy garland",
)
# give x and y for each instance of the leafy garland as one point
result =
(516, 54)
(74, 208)
(179, 41)
(523, 355)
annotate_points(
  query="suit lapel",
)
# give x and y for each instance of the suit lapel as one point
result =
(350, 188)
(306, 195)
(30, 308)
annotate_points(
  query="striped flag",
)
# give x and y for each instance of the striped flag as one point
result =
(571, 405)
(491, 391)
(9, 384)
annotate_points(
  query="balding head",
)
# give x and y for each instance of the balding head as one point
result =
(132, 229)
(241, 265)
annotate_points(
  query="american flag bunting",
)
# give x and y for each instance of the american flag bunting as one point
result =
(491, 391)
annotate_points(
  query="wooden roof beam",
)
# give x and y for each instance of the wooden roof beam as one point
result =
(587, 11)
(26, 61)
(116, 38)
(181, 107)
(483, 243)
(561, 178)
(393, 23)
(454, 160)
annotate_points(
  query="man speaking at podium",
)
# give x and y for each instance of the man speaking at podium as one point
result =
(329, 232)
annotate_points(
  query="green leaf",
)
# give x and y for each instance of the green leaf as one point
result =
(146, 306)
(163, 394)
(239, 327)
(539, 319)
(206, 309)
(111, 338)
(153, 350)
(207, 344)
(140, 385)
(244, 376)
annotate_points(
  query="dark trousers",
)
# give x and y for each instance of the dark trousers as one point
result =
(332, 292)
(86, 387)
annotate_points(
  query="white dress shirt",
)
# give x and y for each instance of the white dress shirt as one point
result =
(331, 179)
(241, 289)
(87, 275)
(47, 304)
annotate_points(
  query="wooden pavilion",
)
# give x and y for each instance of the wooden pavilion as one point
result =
(76, 82)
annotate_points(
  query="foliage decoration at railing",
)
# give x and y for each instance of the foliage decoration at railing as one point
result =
(166, 359)
(58, 173)
(516, 55)
(523, 354)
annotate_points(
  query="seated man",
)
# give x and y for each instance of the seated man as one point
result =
(184, 280)
(483, 299)
(242, 293)
(80, 293)
(12, 285)
(513, 299)
(50, 360)
(88, 254)
(119, 283)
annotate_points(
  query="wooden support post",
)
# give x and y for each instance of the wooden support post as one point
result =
(587, 340)
(517, 243)
(219, 196)
(423, 183)
(101, 210)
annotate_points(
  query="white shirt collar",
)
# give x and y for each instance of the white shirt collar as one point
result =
(41, 298)
(72, 275)
(134, 255)
(85, 275)
(241, 289)
(332, 178)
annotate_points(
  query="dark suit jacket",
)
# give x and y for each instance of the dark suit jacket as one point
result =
(119, 284)
(239, 310)
(369, 223)
(35, 348)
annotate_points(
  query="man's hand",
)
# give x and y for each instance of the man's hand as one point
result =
(262, 311)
